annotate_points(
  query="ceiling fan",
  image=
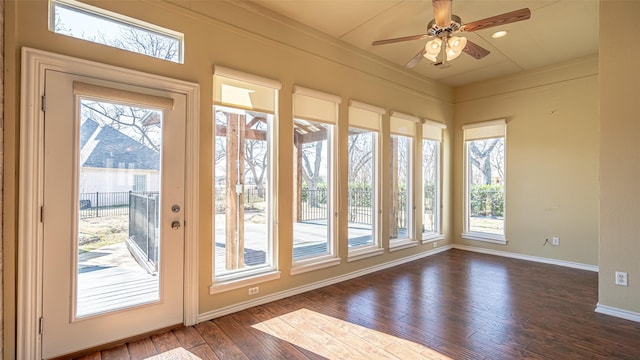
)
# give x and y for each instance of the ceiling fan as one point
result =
(445, 45)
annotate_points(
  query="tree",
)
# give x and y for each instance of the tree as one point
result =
(129, 120)
(360, 152)
(312, 153)
(481, 153)
(119, 35)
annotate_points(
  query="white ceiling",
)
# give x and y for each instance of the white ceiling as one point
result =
(558, 30)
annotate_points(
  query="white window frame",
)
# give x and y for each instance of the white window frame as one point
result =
(369, 117)
(432, 131)
(478, 131)
(250, 276)
(320, 107)
(116, 19)
(405, 125)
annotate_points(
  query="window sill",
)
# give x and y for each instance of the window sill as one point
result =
(228, 285)
(360, 254)
(492, 238)
(395, 245)
(315, 264)
(431, 237)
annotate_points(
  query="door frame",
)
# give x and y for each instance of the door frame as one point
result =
(30, 196)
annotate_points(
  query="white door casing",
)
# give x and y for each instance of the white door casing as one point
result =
(35, 64)
(70, 324)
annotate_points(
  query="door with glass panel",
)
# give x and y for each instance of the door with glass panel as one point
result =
(112, 216)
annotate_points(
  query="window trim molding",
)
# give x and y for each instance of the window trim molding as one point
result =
(315, 263)
(118, 18)
(499, 131)
(332, 216)
(239, 275)
(402, 244)
(221, 286)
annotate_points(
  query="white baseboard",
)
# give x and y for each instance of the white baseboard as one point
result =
(621, 313)
(570, 264)
(301, 289)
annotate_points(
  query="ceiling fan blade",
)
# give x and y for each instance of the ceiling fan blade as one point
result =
(506, 18)
(475, 50)
(404, 38)
(442, 12)
(416, 59)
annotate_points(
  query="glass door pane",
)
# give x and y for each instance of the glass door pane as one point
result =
(119, 206)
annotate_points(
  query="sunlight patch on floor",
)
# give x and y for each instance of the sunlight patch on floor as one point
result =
(337, 339)
(175, 354)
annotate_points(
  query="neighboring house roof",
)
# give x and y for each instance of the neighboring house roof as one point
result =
(106, 147)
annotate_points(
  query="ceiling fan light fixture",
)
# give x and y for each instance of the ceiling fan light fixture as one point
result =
(432, 58)
(432, 49)
(455, 46)
(456, 43)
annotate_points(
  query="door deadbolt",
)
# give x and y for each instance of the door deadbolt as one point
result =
(175, 225)
(175, 208)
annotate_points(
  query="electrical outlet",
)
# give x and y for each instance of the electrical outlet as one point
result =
(435, 244)
(621, 278)
(555, 241)
(254, 290)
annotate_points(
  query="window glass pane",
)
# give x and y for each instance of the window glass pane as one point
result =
(312, 189)
(485, 202)
(362, 187)
(400, 170)
(118, 214)
(103, 27)
(430, 185)
(242, 188)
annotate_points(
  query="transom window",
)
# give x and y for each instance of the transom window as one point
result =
(86, 22)
(485, 181)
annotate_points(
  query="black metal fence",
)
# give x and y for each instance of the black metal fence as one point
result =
(99, 204)
(361, 206)
(313, 205)
(143, 227)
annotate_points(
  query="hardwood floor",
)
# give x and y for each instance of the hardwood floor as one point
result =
(453, 305)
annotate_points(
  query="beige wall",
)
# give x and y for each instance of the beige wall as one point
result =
(552, 158)
(293, 55)
(619, 153)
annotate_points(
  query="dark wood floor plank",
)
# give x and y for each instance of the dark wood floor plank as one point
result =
(188, 337)
(248, 338)
(119, 352)
(219, 341)
(141, 349)
(204, 352)
(94, 356)
(453, 305)
(165, 342)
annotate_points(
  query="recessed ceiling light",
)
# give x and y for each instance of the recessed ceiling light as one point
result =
(499, 34)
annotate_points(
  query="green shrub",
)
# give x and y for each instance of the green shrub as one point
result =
(487, 200)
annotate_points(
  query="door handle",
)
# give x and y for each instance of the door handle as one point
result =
(175, 225)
